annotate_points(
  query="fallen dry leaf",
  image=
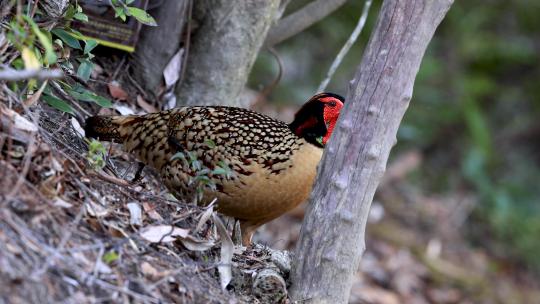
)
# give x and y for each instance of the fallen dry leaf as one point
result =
(149, 270)
(77, 126)
(163, 233)
(150, 210)
(145, 105)
(124, 110)
(116, 91)
(171, 73)
(135, 214)
(96, 210)
(227, 250)
(10, 118)
(58, 202)
(34, 97)
(195, 244)
(205, 216)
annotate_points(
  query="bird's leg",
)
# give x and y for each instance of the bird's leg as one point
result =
(248, 229)
(138, 174)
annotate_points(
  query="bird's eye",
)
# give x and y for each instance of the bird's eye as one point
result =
(332, 104)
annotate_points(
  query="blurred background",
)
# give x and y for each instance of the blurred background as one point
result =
(462, 182)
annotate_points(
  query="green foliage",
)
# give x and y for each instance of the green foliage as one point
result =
(80, 93)
(110, 257)
(67, 37)
(75, 12)
(96, 154)
(57, 103)
(60, 47)
(122, 10)
(204, 177)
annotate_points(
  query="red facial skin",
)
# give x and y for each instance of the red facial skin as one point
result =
(332, 107)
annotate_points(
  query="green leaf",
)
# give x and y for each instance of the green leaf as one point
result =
(219, 171)
(142, 16)
(102, 101)
(178, 155)
(210, 143)
(50, 55)
(18, 64)
(95, 146)
(67, 38)
(59, 43)
(89, 45)
(83, 94)
(58, 103)
(81, 17)
(120, 13)
(110, 257)
(70, 11)
(85, 69)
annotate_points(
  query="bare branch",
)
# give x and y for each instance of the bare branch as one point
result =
(345, 49)
(9, 74)
(301, 19)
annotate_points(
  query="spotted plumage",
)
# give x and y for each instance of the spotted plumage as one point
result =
(272, 164)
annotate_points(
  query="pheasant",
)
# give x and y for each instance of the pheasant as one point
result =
(272, 164)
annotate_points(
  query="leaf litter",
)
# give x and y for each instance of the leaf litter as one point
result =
(69, 234)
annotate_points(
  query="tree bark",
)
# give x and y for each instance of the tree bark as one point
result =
(332, 237)
(224, 48)
(158, 44)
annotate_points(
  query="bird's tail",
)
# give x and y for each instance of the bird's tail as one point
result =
(106, 128)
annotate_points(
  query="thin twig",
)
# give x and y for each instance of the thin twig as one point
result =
(73, 101)
(345, 49)
(301, 19)
(270, 87)
(117, 70)
(187, 43)
(65, 238)
(9, 74)
(26, 166)
(111, 179)
(34, 8)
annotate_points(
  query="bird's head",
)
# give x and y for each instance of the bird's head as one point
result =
(317, 118)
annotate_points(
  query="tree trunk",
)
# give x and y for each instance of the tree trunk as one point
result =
(223, 50)
(332, 237)
(158, 44)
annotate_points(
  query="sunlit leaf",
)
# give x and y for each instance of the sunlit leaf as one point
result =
(110, 257)
(30, 59)
(81, 17)
(142, 16)
(89, 45)
(45, 41)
